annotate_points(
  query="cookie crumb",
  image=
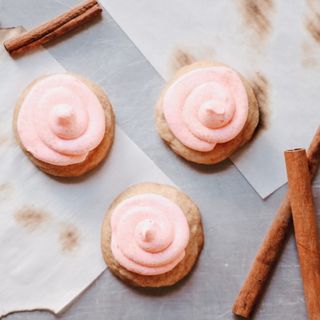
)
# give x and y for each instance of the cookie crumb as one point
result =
(313, 26)
(261, 87)
(309, 58)
(3, 140)
(4, 187)
(181, 59)
(257, 15)
(69, 238)
(31, 218)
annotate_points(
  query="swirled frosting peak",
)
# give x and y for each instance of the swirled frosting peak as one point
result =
(149, 234)
(60, 120)
(206, 106)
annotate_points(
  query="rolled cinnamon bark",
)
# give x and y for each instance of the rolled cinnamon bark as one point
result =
(272, 245)
(305, 227)
(54, 28)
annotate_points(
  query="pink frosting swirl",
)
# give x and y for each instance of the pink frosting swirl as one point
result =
(149, 234)
(206, 106)
(60, 120)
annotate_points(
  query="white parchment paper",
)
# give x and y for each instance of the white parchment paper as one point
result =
(269, 41)
(50, 228)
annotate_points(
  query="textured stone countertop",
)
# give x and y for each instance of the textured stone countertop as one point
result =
(235, 217)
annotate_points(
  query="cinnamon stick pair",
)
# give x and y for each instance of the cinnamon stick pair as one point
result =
(305, 227)
(272, 245)
(54, 28)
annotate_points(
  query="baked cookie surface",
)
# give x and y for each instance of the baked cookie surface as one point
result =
(94, 156)
(192, 249)
(221, 151)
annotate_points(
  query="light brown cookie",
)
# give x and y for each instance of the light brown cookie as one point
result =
(192, 250)
(221, 151)
(95, 156)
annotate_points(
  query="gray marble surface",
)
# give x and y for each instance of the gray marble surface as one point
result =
(235, 217)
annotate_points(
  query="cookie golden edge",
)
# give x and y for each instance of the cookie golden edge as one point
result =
(192, 250)
(221, 151)
(95, 156)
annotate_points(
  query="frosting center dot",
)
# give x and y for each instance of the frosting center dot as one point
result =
(153, 235)
(64, 114)
(212, 108)
(218, 111)
(65, 122)
(148, 230)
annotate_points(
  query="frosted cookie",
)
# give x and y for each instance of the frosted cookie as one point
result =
(207, 112)
(151, 235)
(65, 124)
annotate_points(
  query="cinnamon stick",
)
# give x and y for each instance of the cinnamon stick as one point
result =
(54, 28)
(272, 245)
(305, 227)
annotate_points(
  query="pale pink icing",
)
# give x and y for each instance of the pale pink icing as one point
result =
(206, 106)
(149, 234)
(60, 120)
